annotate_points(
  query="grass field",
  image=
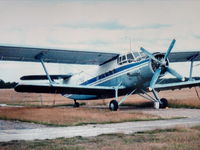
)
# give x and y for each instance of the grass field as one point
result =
(70, 116)
(48, 109)
(177, 97)
(168, 139)
(43, 108)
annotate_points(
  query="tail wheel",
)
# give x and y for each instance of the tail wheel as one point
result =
(164, 103)
(113, 106)
(76, 104)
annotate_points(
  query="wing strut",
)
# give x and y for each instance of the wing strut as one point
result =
(191, 66)
(40, 57)
(191, 70)
(45, 69)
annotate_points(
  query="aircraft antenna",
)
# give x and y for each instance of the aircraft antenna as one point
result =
(131, 49)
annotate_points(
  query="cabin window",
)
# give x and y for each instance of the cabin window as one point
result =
(123, 58)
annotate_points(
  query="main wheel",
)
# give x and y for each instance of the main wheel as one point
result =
(164, 103)
(113, 106)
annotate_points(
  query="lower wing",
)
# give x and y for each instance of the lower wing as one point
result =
(66, 89)
(178, 85)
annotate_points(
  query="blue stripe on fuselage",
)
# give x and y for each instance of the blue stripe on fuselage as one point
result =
(114, 71)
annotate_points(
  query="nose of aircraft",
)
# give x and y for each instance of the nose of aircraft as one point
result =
(162, 65)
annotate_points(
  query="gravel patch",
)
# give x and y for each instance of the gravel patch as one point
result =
(7, 125)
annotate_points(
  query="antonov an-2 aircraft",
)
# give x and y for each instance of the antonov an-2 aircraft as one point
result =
(116, 75)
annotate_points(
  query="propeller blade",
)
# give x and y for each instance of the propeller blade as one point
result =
(149, 54)
(169, 49)
(176, 74)
(154, 79)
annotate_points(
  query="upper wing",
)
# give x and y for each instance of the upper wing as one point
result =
(65, 89)
(184, 56)
(29, 54)
(178, 85)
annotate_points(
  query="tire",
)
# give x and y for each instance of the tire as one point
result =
(113, 106)
(164, 103)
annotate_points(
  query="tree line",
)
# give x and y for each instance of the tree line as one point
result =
(7, 85)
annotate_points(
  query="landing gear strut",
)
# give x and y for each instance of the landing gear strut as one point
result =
(76, 104)
(163, 103)
(158, 103)
(114, 104)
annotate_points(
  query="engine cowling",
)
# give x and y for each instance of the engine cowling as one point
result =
(163, 65)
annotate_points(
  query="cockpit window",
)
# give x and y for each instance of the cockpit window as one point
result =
(130, 57)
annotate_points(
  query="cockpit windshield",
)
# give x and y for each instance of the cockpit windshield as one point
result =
(130, 57)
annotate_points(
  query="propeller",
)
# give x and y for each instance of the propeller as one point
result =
(176, 74)
(149, 54)
(162, 65)
(170, 49)
(155, 78)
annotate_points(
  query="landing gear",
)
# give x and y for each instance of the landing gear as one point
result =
(76, 104)
(164, 103)
(113, 106)
(158, 103)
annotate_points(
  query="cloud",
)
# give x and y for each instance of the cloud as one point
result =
(101, 25)
(113, 25)
(152, 26)
(196, 36)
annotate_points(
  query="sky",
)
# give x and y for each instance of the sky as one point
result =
(92, 25)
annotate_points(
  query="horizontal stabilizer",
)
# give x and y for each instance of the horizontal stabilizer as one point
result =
(44, 77)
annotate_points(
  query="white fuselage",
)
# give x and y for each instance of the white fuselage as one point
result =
(131, 74)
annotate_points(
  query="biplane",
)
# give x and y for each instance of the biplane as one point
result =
(116, 74)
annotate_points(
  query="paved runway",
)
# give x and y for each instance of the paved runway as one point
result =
(193, 119)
